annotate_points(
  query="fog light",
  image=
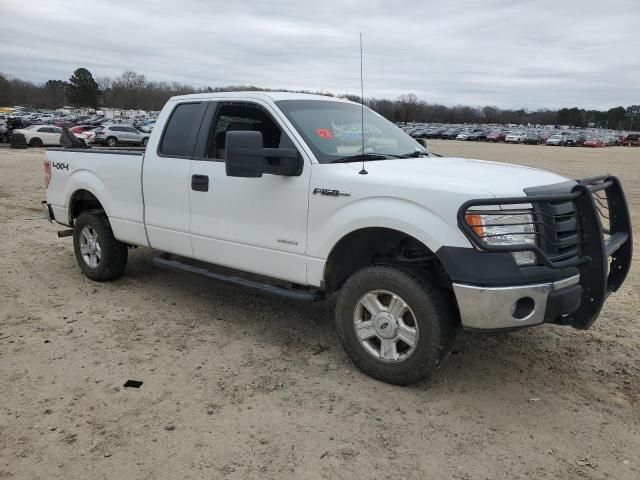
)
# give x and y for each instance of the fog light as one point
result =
(523, 308)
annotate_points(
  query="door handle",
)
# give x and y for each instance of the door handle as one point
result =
(200, 183)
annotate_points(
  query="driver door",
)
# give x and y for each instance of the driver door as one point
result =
(258, 225)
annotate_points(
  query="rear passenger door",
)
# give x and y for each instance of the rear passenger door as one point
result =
(124, 135)
(165, 178)
(132, 135)
(55, 135)
(45, 134)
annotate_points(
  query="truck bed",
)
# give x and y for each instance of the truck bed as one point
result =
(112, 175)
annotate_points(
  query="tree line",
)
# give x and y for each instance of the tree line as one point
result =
(132, 90)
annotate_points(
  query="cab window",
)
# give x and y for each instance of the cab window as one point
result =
(242, 117)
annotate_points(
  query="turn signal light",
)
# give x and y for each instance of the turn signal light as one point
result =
(475, 222)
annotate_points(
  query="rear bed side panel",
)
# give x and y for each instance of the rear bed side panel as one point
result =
(113, 178)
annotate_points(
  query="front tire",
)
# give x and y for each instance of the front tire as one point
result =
(35, 142)
(396, 326)
(112, 142)
(100, 256)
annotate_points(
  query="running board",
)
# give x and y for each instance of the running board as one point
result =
(288, 293)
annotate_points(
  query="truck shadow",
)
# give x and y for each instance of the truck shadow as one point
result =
(545, 356)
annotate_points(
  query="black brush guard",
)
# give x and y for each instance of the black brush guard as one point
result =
(594, 242)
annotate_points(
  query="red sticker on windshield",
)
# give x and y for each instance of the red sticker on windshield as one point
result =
(324, 133)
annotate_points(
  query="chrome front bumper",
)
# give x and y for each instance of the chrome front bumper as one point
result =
(499, 308)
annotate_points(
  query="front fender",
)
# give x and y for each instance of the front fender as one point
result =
(387, 212)
(394, 213)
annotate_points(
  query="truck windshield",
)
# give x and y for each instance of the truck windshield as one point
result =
(333, 130)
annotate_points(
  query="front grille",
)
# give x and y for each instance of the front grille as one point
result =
(577, 224)
(558, 229)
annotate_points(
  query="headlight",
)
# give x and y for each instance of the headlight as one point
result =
(506, 229)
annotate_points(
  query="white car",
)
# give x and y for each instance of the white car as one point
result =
(517, 136)
(40, 135)
(463, 136)
(555, 140)
(270, 191)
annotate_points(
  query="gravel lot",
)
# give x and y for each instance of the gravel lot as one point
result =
(241, 386)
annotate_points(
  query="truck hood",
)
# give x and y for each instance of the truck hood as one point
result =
(460, 174)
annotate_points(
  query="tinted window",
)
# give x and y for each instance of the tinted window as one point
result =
(241, 117)
(56, 130)
(116, 129)
(130, 130)
(179, 138)
(43, 130)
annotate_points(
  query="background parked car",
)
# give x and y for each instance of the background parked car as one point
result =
(496, 136)
(464, 135)
(574, 140)
(593, 142)
(631, 140)
(81, 128)
(40, 135)
(84, 132)
(113, 135)
(477, 136)
(450, 134)
(532, 138)
(4, 133)
(516, 136)
(556, 140)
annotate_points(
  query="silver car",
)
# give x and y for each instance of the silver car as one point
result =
(113, 135)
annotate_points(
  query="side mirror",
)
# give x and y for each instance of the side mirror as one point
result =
(246, 157)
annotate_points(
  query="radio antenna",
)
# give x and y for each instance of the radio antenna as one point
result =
(363, 171)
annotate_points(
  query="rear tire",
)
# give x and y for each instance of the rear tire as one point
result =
(378, 337)
(100, 256)
(35, 142)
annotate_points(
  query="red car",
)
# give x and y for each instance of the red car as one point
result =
(631, 140)
(81, 128)
(593, 143)
(496, 136)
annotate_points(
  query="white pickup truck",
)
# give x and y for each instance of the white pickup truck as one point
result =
(305, 196)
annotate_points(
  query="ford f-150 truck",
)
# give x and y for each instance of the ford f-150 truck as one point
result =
(306, 196)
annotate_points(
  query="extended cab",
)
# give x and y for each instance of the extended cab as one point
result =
(304, 196)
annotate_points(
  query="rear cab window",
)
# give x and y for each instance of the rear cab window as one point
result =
(181, 131)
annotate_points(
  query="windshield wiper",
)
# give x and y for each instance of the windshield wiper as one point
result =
(415, 154)
(361, 157)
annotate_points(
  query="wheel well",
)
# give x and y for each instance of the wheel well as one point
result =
(376, 245)
(81, 201)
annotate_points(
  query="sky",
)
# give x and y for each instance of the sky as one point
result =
(517, 53)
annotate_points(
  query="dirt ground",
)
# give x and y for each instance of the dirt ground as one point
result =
(240, 386)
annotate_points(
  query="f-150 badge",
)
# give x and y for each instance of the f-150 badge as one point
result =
(330, 192)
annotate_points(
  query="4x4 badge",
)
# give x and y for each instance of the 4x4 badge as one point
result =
(60, 165)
